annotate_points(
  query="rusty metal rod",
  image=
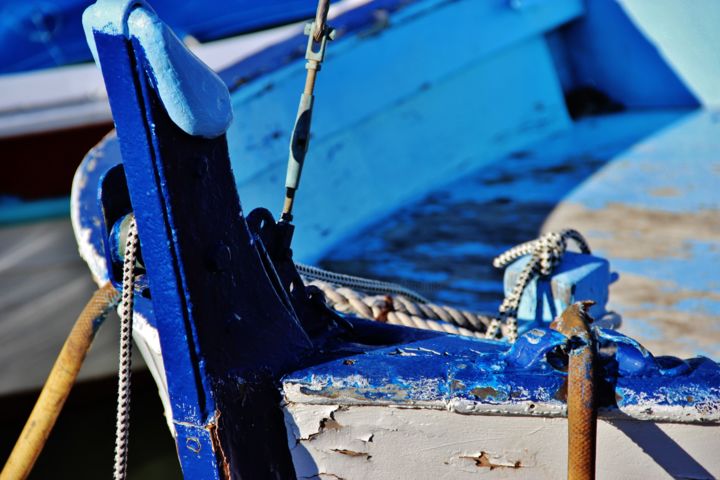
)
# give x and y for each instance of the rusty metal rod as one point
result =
(320, 19)
(581, 403)
(58, 385)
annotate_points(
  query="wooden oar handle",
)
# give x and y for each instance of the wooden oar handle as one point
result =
(58, 385)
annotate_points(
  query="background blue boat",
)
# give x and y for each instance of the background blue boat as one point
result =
(50, 34)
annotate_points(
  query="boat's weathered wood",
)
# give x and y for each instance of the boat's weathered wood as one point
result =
(375, 442)
(225, 322)
(441, 406)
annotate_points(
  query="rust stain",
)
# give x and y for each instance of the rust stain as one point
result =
(327, 423)
(561, 393)
(483, 393)
(352, 453)
(457, 385)
(708, 408)
(664, 192)
(483, 461)
(386, 307)
(329, 475)
(212, 428)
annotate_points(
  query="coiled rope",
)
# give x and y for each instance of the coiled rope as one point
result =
(397, 309)
(395, 304)
(122, 426)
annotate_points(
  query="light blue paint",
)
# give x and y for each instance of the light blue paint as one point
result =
(675, 171)
(195, 98)
(378, 143)
(107, 16)
(604, 50)
(686, 35)
(687, 148)
(577, 277)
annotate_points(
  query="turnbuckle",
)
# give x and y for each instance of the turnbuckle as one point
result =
(299, 142)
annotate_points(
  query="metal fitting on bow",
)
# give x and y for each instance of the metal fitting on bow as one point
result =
(574, 323)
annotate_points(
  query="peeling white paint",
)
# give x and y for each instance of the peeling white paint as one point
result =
(442, 445)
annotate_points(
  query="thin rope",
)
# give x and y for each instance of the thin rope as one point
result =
(546, 252)
(122, 426)
(359, 283)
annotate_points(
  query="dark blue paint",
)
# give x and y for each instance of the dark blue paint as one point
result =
(223, 327)
(445, 368)
(48, 34)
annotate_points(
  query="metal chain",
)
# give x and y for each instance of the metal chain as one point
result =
(122, 426)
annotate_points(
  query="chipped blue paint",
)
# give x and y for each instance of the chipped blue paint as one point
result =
(693, 268)
(488, 376)
(686, 147)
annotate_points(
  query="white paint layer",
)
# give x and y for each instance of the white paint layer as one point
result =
(365, 442)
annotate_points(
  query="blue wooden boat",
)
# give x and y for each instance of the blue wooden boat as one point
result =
(49, 118)
(260, 378)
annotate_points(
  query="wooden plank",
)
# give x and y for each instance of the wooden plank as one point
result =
(358, 442)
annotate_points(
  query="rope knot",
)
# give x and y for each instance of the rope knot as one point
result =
(546, 252)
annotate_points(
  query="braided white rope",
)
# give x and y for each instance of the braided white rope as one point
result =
(122, 426)
(399, 305)
(400, 310)
(546, 251)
